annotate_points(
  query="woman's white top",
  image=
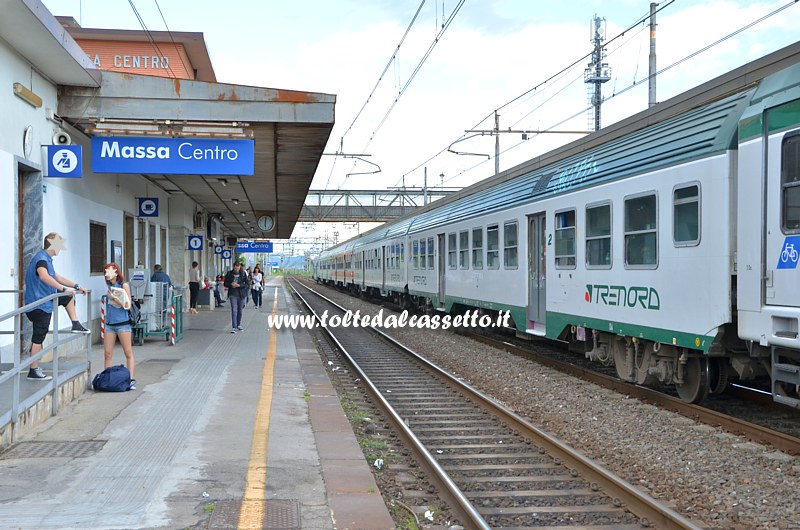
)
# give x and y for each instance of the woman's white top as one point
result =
(194, 274)
(257, 278)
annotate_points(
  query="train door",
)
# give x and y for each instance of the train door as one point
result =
(442, 269)
(783, 219)
(537, 245)
(382, 259)
(363, 270)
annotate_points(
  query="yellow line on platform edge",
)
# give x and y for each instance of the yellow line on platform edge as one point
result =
(251, 514)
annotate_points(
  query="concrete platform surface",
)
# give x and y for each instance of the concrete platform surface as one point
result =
(223, 431)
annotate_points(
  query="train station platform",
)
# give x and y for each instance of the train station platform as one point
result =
(223, 431)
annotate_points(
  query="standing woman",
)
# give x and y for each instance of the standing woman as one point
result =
(117, 319)
(194, 287)
(257, 286)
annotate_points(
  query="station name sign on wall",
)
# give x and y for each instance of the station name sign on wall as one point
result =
(254, 246)
(172, 156)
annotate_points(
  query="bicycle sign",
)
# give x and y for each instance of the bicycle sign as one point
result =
(790, 253)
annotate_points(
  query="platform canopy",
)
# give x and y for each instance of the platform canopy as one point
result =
(289, 129)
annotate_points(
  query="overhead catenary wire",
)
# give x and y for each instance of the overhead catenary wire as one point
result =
(553, 77)
(386, 68)
(437, 38)
(172, 38)
(637, 83)
(149, 35)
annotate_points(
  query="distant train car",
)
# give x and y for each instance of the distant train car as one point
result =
(666, 245)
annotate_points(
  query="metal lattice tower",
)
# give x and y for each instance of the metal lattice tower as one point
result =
(598, 72)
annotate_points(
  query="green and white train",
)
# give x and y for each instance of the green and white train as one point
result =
(667, 244)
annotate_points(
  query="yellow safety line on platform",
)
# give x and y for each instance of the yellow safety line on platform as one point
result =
(251, 514)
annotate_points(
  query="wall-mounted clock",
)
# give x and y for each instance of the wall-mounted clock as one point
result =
(27, 141)
(266, 223)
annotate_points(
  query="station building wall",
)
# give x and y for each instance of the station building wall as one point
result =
(70, 206)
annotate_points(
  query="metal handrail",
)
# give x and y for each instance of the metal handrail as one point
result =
(14, 373)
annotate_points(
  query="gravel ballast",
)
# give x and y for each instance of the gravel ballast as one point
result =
(717, 479)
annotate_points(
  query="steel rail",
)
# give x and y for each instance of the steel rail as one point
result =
(456, 496)
(648, 509)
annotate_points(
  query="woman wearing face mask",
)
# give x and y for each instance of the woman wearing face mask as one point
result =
(117, 319)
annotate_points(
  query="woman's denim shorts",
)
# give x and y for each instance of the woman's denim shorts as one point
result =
(118, 328)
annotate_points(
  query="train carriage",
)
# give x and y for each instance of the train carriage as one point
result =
(666, 245)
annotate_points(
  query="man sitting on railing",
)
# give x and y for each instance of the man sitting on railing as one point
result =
(41, 281)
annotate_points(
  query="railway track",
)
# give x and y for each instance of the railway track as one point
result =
(493, 468)
(739, 411)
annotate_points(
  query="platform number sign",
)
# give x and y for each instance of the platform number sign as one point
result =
(227, 254)
(790, 253)
(218, 249)
(195, 243)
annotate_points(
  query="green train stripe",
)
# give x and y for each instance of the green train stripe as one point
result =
(557, 322)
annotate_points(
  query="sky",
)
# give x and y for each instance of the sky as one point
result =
(524, 59)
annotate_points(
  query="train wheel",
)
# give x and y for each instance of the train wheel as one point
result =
(695, 380)
(717, 375)
(623, 359)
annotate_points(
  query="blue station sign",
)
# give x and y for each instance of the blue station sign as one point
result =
(64, 161)
(148, 206)
(254, 246)
(172, 156)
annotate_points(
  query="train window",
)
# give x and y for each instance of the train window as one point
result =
(463, 249)
(402, 256)
(415, 254)
(451, 251)
(565, 240)
(641, 241)
(790, 183)
(430, 253)
(598, 237)
(492, 247)
(686, 216)
(510, 245)
(477, 248)
(422, 252)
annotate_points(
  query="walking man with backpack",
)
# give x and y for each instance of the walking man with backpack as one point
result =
(236, 281)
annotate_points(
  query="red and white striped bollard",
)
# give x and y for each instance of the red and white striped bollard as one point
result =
(172, 331)
(103, 319)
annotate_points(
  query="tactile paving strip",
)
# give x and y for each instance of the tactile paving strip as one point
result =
(54, 449)
(277, 515)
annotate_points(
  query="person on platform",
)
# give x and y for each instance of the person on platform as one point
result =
(118, 324)
(194, 286)
(41, 281)
(159, 275)
(246, 287)
(217, 291)
(236, 280)
(257, 286)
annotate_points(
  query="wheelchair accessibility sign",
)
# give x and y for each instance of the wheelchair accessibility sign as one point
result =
(64, 161)
(790, 253)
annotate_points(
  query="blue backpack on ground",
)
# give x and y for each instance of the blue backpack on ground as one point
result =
(113, 379)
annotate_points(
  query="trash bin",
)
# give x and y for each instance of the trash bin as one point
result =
(205, 300)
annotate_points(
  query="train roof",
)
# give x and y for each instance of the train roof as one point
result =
(696, 124)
